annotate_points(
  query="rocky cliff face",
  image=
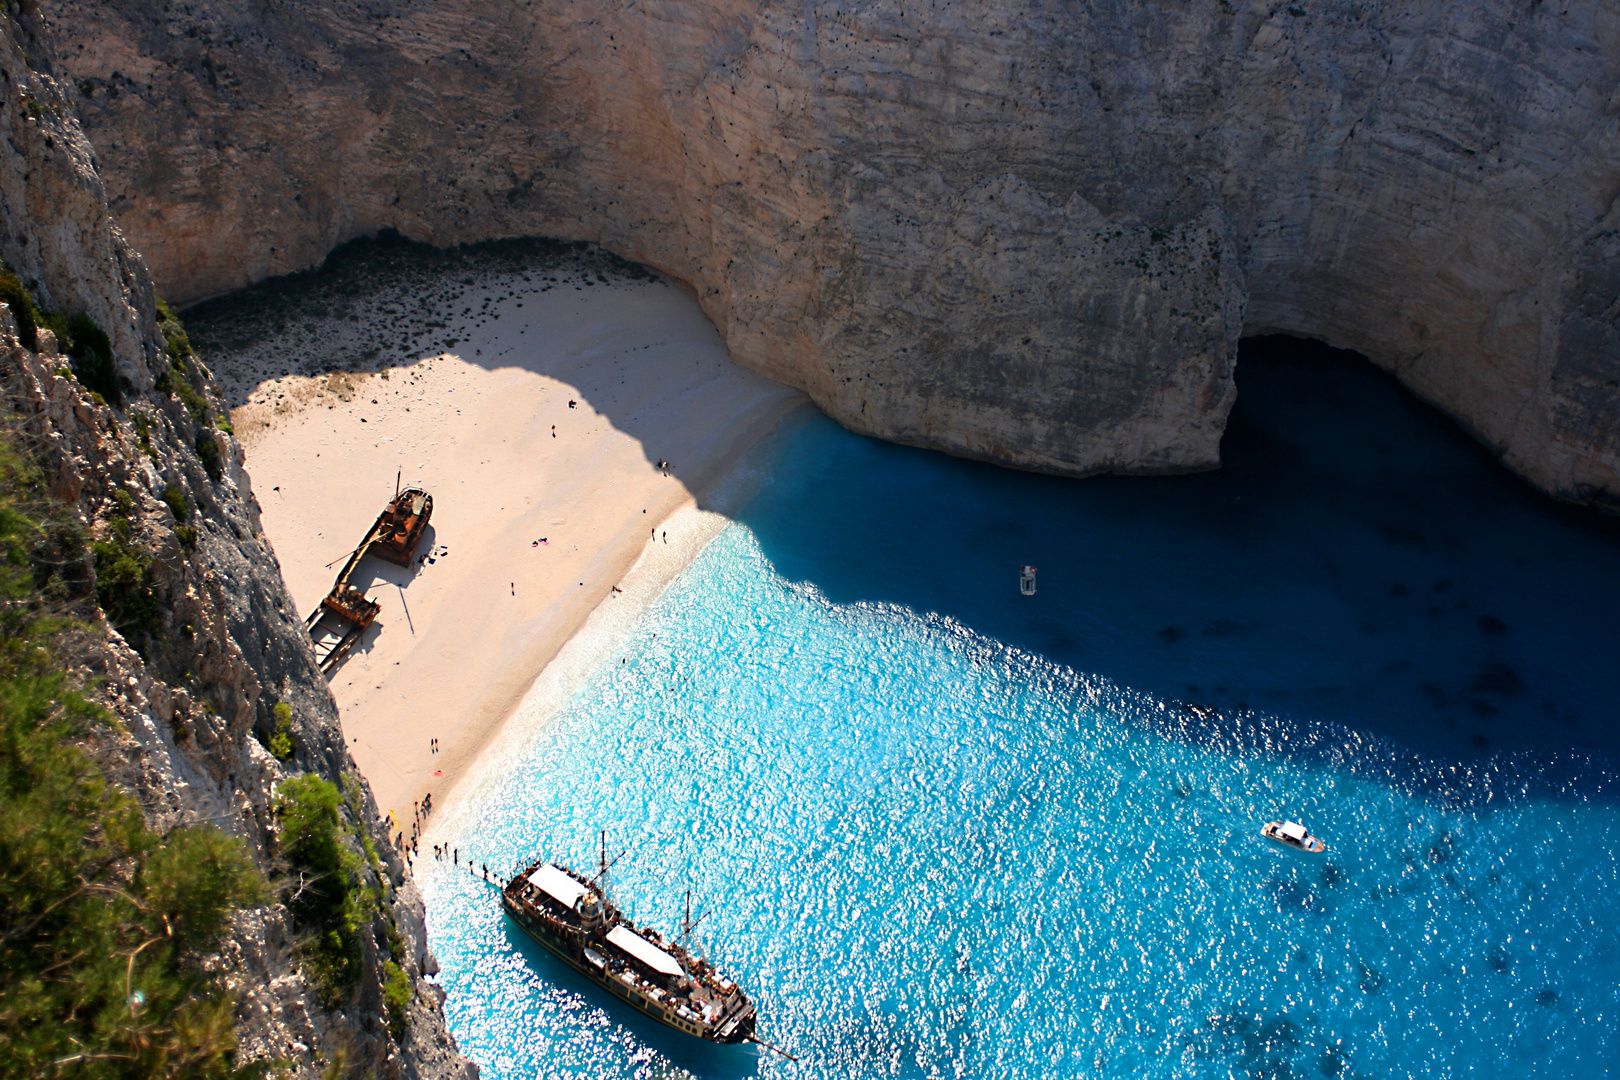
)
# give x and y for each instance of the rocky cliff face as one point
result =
(1031, 233)
(198, 679)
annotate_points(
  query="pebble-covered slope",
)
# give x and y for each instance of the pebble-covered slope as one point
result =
(394, 300)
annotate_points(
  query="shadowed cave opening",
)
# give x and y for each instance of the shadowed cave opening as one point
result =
(1359, 560)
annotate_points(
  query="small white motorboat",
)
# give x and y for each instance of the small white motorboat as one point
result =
(1293, 834)
(1026, 580)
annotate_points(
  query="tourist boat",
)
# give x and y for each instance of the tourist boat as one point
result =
(1293, 834)
(1026, 580)
(572, 917)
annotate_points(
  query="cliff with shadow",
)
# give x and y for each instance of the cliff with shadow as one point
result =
(159, 619)
(1031, 233)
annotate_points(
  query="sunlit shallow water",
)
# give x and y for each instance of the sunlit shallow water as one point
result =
(946, 830)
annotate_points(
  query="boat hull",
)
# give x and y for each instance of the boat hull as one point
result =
(573, 954)
(398, 531)
(1313, 845)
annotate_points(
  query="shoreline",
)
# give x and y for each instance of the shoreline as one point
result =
(540, 439)
(578, 658)
(579, 652)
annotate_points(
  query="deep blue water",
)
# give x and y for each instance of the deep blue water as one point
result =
(948, 830)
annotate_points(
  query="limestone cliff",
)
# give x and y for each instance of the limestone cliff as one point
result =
(1029, 232)
(194, 680)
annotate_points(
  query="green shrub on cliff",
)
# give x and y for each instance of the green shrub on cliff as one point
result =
(280, 743)
(22, 308)
(104, 922)
(174, 335)
(92, 355)
(143, 436)
(124, 585)
(208, 453)
(397, 997)
(193, 399)
(183, 378)
(57, 323)
(176, 501)
(323, 890)
(85, 342)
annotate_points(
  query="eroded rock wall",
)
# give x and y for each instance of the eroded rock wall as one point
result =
(1031, 233)
(225, 644)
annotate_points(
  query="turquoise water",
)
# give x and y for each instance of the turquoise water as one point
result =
(944, 830)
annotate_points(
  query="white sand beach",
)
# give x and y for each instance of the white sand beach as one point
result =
(537, 436)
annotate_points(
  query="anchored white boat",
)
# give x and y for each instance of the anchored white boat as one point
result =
(573, 918)
(1293, 834)
(1026, 580)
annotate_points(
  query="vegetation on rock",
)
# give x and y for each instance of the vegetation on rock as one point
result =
(323, 890)
(281, 744)
(22, 308)
(174, 334)
(143, 436)
(397, 997)
(175, 500)
(92, 355)
(106, 924)
(208, 451)
(124, 585)
(185, 379)
(84, 341)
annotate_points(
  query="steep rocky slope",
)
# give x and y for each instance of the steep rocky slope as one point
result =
(195, 675)
(1031, 233)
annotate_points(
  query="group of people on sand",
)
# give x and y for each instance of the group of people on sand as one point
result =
(419, 813)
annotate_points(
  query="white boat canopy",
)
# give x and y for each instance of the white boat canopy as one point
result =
(1294, 830)
(644, 950)
(558, 885)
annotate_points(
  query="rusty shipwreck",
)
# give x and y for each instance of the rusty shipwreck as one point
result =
(345, 613)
